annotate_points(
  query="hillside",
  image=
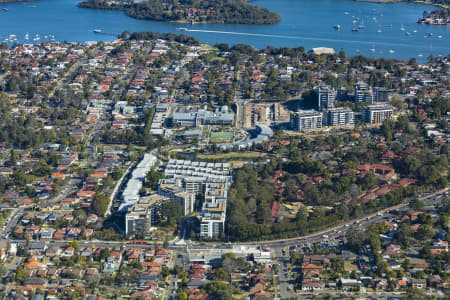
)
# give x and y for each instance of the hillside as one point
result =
(189, 11)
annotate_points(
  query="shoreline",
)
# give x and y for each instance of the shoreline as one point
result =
(382, 1)
(248, 15)
(432, 4)
(404, 1)
(16, 1)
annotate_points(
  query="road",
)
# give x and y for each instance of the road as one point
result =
(285, 282)
(113, 196)
(61, 79)
(331, 233)
(284, 279)
(341, 229)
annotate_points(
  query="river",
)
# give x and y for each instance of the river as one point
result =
(387, 30)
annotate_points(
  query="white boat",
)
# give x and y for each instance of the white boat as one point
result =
(402, 28)
(439, 36)
(346, 13)
(337, 27)
(372, 49)
(5, 9)
(415, 31)
(27, 36)
(391, 51)
(182, 28)
(420, 55)
(97, 30)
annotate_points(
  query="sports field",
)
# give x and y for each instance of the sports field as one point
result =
(221, 136)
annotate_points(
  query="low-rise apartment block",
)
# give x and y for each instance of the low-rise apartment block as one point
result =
(325, 97)
(363, 93)
(142, 215)
(377, 113)
(338, 116)
(306, 119)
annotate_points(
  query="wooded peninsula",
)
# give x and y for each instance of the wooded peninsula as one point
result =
(190, 11)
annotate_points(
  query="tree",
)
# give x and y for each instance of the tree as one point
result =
(3, 270)
(100, 204)
(416, 204)
(164, 271)
(228, 263)
(403, 234)
(386, 129)
(105, 253)
(424, 232)
(182, 296)
(169, 213)
(397, 102)
(20, 275)
(374, 241)
(152, 179)
(356, 240)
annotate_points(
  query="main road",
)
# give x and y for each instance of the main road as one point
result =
(276, 245)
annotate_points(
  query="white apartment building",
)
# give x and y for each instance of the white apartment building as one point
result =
(306, 119)
(377, 113)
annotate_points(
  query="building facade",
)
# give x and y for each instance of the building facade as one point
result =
(338, 116)
(184, 179)
(381, 95)
(325, 97)
(377, 113)
(363, 93)
(173, 190)
(143, 214)
(306, 119)
(204, 117)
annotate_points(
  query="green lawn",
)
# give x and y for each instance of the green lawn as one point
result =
(222, 136)
(233, 155)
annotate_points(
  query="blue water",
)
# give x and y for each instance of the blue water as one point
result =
(307, 23)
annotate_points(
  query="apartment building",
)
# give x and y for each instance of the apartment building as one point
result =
(377, 113)
(184, 179)
(142, 215)
(338, 116)
(325, 97)
(173, 189)
(213, 210)
(306, 119)
(381, 95)
(363, 93)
